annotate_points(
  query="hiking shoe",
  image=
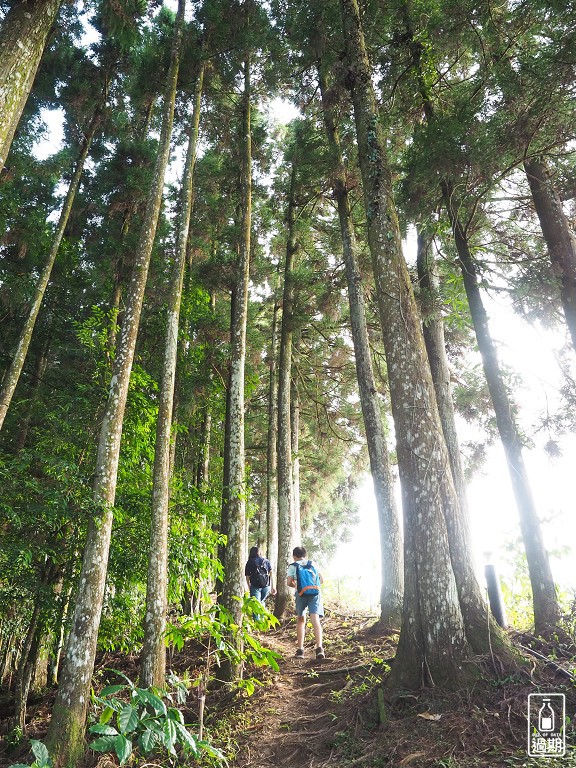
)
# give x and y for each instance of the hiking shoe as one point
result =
(299, 653)
(320, 653)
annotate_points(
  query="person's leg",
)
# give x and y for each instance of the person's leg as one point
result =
(300, 624)
(300, 631)
(264, 592)
(317, 627)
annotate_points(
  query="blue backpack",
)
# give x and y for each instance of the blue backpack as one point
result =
(307, 579)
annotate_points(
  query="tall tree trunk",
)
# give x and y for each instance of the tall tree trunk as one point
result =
(272, 448)
(546, 609)
(482, 631)
(153, 658)
(294, 448)
(34, 386)
(26, 666)
(433, 329)
(66, 732)
(559, 238)
(391, 555)
(12, 376)
(235, 489)
(285, 487)
(22, 40)
(433, 644)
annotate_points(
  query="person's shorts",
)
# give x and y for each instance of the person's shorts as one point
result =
(311, 602)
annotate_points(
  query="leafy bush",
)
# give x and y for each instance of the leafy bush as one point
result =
(40, 753)
(144, 723)
(228, 639)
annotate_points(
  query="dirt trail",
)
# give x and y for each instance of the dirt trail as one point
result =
(301, 716)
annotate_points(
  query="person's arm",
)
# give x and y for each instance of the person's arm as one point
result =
(290, 580)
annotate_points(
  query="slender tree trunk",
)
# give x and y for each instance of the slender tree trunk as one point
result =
(37, 376)
(59, 630)
(23, 37)
(26, 666)
(272, 449)
(153, 659)
(13, 374)
(235, 490)
(295, 447)
(66, 732)
(433, 329)
(285, 487)
(559, 238)
(433, 643)
(391, 555)
(546, 609)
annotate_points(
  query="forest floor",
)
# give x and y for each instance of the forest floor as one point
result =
(339, 712)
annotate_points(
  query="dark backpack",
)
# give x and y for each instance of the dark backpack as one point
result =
(307, 579)
(259, 576)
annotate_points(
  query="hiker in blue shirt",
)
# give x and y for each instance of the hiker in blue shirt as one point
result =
(306, 579)
(258, 572)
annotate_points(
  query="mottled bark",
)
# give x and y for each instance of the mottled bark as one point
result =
(546, 609)
(285, 487)
(433, 644)
(391, 555)
(433, 329)
(234, 501)
(22, 40)
(66, 732)
(153, 658)
(295, 447)
(272, 449)
(12, 376)
(483, 634)
(559, 237)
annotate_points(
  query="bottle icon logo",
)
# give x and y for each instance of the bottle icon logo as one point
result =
(546, 718)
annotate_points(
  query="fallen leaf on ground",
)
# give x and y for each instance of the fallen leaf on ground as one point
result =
(413, 756)
(428, 716)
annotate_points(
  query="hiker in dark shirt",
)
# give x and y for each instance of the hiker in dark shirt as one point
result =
(258, 573)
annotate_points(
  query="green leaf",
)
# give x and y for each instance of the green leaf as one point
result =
(175, 714)
(104, 729)
(187, 739)
(111, 689)
(104, 744)
(40, 753)
(106, 715)
(123, 748)
(128, 719)
(170, 735)
(147, 741)
(150, 698)
(210, 750)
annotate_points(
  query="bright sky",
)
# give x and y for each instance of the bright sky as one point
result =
(493, 512)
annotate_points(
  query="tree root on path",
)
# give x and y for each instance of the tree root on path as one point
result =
(342, 670)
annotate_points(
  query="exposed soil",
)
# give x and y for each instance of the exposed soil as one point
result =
(313, 714)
